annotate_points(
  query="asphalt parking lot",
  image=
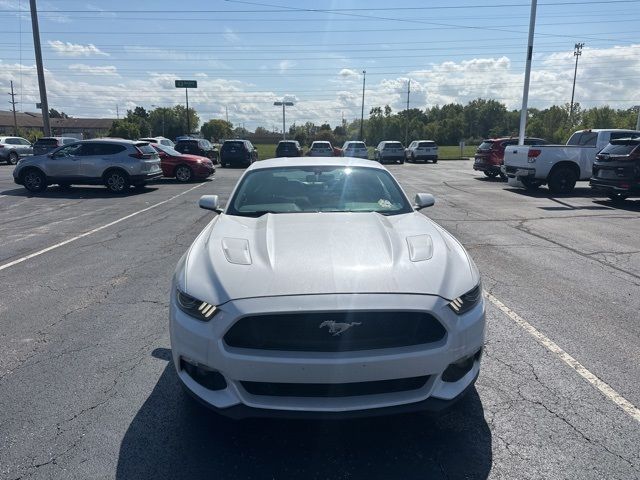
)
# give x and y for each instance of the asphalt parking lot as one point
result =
(87, 390)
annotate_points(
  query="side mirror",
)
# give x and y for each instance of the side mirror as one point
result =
(210, 202)
(424, 200)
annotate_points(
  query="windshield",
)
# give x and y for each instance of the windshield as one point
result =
(486, 145)
(166, 149)
(355, 145)
(318, 189)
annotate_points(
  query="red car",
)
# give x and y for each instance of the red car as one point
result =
(490, 154)
(182, 166)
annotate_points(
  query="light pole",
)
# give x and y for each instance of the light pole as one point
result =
(41, 83)
(577, 51)
(364, 78)
(284, 105)
(163, 112)
(527, 73)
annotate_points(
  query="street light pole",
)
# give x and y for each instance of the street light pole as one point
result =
(577, 51)
(527, 73)
(41, 83)
(406, 126)
(284, 105)
(364, 78)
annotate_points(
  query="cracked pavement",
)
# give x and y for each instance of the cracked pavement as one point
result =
(87, 390)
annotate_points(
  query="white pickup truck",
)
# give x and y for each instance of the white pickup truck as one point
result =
(559, 166)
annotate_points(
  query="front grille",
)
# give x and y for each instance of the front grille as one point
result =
(328, 390)
(334, 331)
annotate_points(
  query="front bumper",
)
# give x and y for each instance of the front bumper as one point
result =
(486, 167)
(203, 343)
(201, 170)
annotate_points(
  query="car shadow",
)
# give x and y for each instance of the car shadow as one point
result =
(496, 179)
(97, 191)
(76, 192)
(172, 437)
(627, 205)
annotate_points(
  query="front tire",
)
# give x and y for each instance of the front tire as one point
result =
(562, 180)
(34, 180)
(13, 158)
(184, 174)
(116, 181)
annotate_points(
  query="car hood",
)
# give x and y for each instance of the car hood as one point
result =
(324, 253)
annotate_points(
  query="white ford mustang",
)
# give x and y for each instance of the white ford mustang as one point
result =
(320, 290)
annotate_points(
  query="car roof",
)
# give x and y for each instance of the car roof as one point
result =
(315, 161)
(113, 140)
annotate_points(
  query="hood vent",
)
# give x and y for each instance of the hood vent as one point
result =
(236, 250)
(420, 247)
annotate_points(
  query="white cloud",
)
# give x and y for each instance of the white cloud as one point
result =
(230, 36)
(605, 76)
(285, 65)
(348, 72)
(108, 70)
(68, 49)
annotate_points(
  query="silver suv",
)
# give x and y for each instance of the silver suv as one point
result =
(13, 148)
(114, 163)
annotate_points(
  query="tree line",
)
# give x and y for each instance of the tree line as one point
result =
(447, 124)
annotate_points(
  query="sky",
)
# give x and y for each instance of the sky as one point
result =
(104, 57)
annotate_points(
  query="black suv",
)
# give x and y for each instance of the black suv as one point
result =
(288, 148)
(237, 153)
(197, 146)
(616, 171)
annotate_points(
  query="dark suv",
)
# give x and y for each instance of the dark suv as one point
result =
(616, 171)
(288, 148)
(46, 144)
(237, 153)
(490, 154)
(197, 146)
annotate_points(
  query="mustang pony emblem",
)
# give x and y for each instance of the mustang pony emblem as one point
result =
(336, 328)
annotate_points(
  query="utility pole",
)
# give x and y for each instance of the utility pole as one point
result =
(13, 104)
(226, 112)
(406, 129)
(577, 51)
(364, 78)
(527, 73)
(117, 112)
(41, 84)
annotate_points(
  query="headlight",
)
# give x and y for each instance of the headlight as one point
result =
(466, 302)
(196, 308)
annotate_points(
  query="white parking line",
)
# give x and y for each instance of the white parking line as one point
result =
(95, 230)
(550, 345)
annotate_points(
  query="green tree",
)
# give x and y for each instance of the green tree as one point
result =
(125, 129)
(216, 129)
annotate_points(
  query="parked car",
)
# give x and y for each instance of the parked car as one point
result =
(560, 166)
(301, 299)
(238, 153)
(422, 150)
(489, 156)
(182, 166)
(114, 163)
(14, 148)
(159, 140)
(197, 146)
(389, 151)
(46, 144)
(288, 148)
(616, 171)
(355, 149)
(321, 148)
